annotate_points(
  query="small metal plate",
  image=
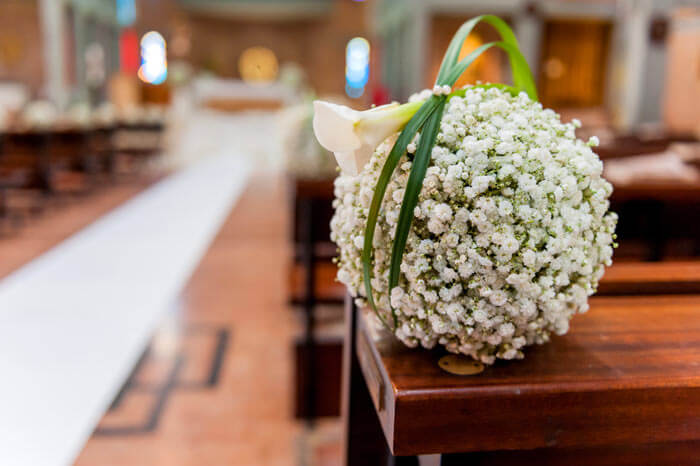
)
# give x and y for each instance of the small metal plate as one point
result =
(460, 365)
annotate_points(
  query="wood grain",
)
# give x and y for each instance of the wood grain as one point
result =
(657, 191)
(627, 373)
(648, 278)
(623, 278)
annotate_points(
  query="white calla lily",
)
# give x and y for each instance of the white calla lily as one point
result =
(353, 135)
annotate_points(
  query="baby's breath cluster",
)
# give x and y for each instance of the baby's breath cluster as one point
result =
(509, 238)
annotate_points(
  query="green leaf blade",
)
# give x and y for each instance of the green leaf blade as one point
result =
(414, 186)
(452, 54)
(522, 76)
(456, 71)
(451, 69)
(399, 149)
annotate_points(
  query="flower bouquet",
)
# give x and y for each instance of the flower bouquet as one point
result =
(470, 218)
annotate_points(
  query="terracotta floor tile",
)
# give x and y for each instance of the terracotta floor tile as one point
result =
(246, 419)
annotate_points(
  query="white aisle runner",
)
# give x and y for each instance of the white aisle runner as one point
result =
(74, 321)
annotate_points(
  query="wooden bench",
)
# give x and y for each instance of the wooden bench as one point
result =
(630, 145)
(132, 144)
(623, 278)
(623, 387)
(59, 159)
(310, 205)
(657, 215)
(651, 278)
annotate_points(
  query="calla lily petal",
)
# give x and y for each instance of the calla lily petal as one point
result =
(346, 162)
(334, 126)
(354, 135)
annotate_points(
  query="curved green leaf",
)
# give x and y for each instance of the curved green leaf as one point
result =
(456, 71)
(413, 189)
(452, 54)
(522, 76)
(390, 164)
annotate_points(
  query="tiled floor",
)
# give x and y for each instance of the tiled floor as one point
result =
(242, 417)
(245, 419)
(77, 317)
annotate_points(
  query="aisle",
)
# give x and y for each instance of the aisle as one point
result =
(74, 321)
(245, 417)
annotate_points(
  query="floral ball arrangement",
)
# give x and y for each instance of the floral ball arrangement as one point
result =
(470, 218)
(509, 238)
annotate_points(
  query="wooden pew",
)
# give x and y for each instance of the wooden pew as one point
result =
(137, 141)
(311, 209)
(37, 164)
(310, 204)
(101, 153)
(651, 278)
(631, 145)
(28, 152)
(623, 387)
(656, 215)
(24, 175)
(73, 169)
(622, 279)
(55, 159)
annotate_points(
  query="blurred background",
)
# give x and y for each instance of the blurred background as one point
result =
(168, 293)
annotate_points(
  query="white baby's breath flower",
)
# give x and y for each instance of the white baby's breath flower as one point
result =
(510, 235)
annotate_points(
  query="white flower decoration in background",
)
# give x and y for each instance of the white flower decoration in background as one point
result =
(353, 135)
(304, 157)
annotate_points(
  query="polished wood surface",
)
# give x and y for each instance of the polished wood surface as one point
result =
(627, 373)
(327, 354)
(320, 189)
(631, 144)
(326, 288)
(668, 453)
(657, 191)
(650, 278)
(622, 278)
(311, 207)
(59, 159)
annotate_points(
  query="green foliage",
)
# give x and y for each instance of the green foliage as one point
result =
(392, 161)
(413, 188)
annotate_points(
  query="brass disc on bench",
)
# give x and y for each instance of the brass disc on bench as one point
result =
(460, 365)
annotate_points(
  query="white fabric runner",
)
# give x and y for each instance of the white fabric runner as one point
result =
(74, 321)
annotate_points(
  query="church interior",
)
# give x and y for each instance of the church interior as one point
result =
(168, 290)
